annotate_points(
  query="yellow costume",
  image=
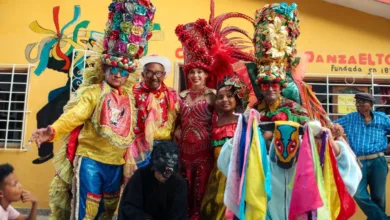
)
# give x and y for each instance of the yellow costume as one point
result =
(103, 146)
(98, 123)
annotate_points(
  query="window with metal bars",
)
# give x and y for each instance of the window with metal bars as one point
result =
(13, 100)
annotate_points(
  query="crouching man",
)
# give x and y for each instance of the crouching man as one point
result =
(156, 191)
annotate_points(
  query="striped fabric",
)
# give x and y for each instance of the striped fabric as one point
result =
(366, 139)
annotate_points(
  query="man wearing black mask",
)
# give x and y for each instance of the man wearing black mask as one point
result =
(156, 191)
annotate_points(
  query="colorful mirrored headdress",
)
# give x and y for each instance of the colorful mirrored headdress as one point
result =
(128, 29)
(275, 35)
(286, 143)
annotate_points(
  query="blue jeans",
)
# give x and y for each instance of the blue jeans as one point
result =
(374, 175)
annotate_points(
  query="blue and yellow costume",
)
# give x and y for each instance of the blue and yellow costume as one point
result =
(97, 125)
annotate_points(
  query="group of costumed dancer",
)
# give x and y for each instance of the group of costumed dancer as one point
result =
(253, 140)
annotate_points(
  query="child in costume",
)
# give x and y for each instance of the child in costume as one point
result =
(156, 191)
(208, 57)
(232, 97)
(98, 123)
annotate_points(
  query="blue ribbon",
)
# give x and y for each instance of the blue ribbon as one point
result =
(285, 9)
(44, 58)
(76, 16)
(266, 168)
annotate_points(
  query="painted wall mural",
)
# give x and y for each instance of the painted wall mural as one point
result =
(55, 52)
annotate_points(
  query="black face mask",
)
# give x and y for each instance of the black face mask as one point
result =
(166, 164)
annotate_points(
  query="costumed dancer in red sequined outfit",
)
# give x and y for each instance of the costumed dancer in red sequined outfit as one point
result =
(195, 150)
(208, 57)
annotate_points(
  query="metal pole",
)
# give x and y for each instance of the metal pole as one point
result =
(9, 106)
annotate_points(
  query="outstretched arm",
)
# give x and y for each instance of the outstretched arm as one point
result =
(68, 121)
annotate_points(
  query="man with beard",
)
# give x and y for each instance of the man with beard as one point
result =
(156, 191)
(366, 132)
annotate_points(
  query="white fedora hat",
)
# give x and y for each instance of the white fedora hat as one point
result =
(165, 62)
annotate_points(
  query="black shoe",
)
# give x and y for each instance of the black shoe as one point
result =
(43, 159)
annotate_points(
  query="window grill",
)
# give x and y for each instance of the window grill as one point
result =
(79, 63)
(14, 87)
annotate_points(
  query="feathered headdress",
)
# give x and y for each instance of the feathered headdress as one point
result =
(206, 45)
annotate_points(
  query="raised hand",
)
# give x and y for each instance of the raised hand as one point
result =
(27, 196)
(337, 130)
(42, 135)
(336, 148)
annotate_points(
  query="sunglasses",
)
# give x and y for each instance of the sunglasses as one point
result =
(116, 70)
(267, 86)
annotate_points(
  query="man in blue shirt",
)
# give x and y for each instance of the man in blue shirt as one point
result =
(366, 133)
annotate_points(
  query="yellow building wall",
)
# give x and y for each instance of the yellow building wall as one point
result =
(326, 29)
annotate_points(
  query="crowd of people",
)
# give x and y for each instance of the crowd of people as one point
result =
(247, 139)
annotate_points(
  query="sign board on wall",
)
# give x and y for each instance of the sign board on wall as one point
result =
(353, 63)
(345, 100)
(345, 63)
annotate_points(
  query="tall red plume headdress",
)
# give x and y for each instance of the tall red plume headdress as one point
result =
(206, 45)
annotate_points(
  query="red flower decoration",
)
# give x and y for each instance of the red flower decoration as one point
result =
(201, 22)
(110, 15)
(179, 29)
(295, 32)
(150, 34)
(191, 43)
(208, 29)
(281, 116)
(145, 3)
(140, 52)
(289, 104)
(114, 35)
(267, 45)
(265, 118)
